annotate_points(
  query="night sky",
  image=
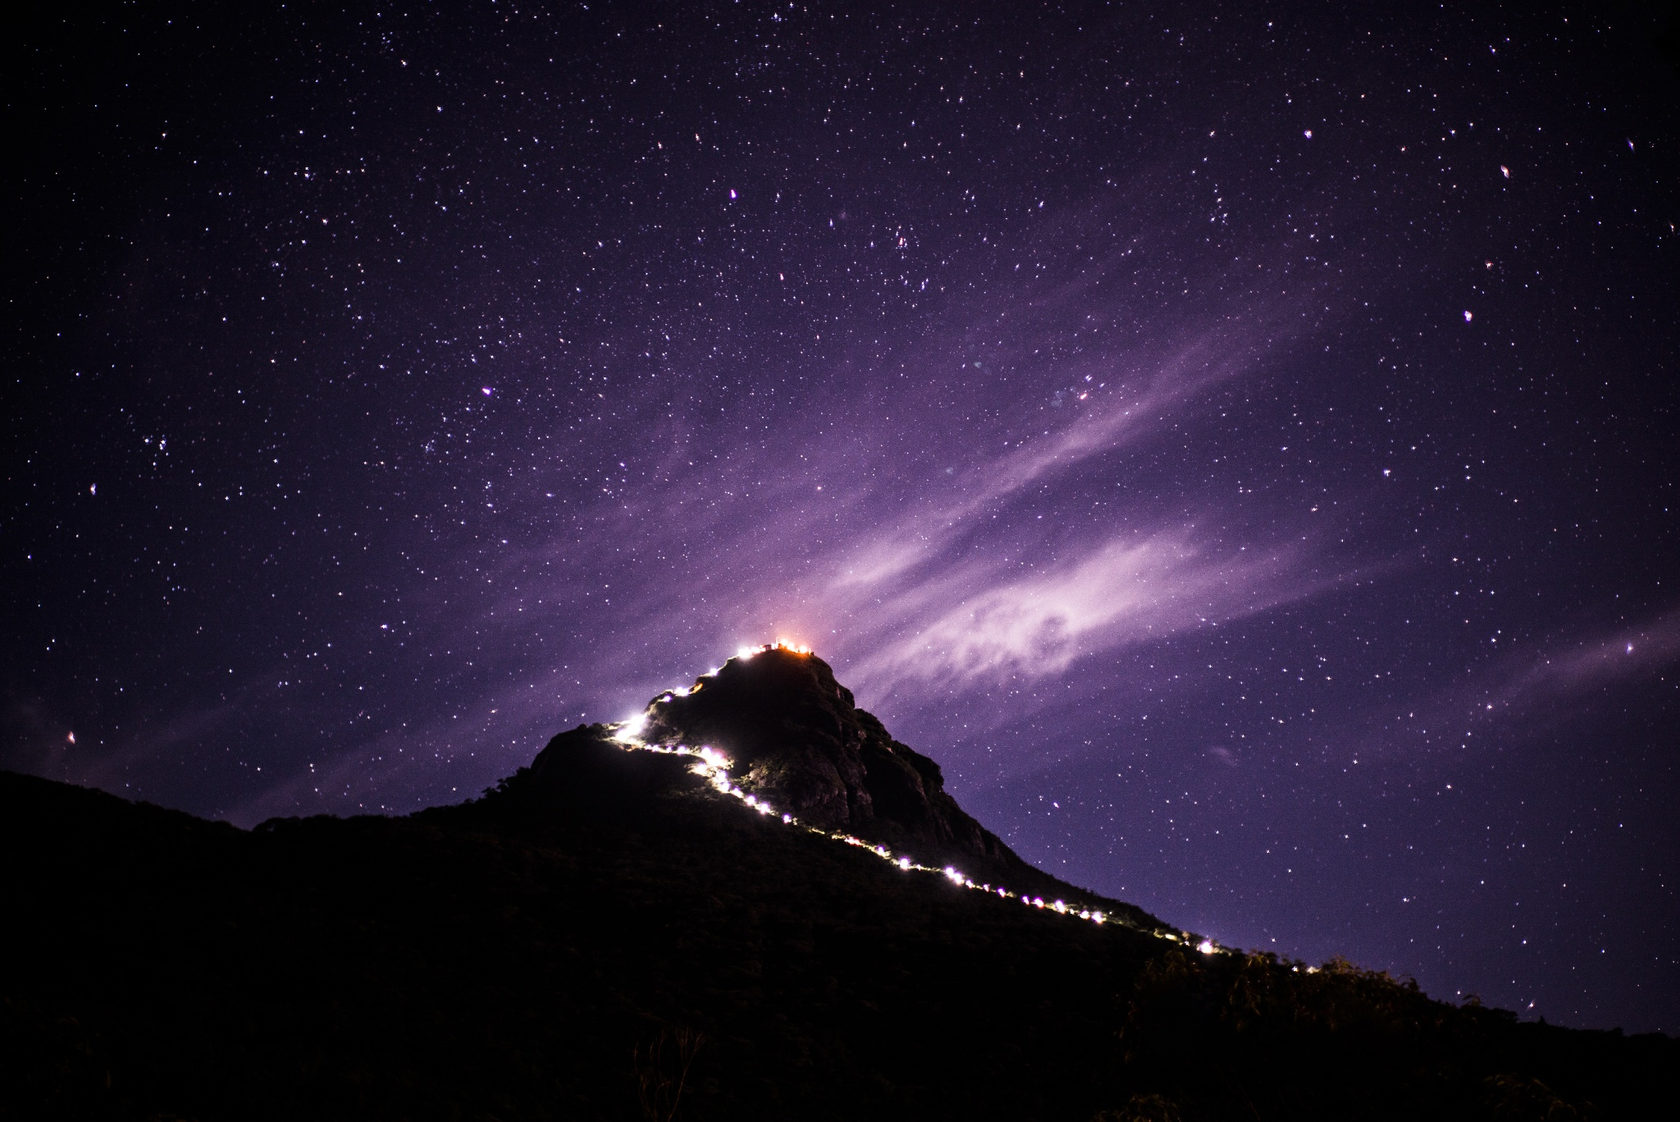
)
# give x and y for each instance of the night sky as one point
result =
(1236, 441)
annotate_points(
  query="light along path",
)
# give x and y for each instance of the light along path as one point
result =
(713, 766)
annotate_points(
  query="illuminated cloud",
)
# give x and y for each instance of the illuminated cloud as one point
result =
(1155, 391)
(1118, 592)
(984, 578)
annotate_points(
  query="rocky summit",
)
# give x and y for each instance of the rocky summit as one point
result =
(795, 738)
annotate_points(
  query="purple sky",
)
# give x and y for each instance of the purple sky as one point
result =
(1237, 444)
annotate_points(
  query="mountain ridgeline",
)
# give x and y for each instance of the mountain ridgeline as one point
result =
(796, 739)
(631, 928)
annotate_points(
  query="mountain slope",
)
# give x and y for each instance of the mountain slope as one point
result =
(793, 739)
(609, 935)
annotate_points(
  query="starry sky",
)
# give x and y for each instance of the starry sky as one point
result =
(1235, 440)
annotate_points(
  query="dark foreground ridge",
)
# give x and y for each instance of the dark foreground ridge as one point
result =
(610, 935)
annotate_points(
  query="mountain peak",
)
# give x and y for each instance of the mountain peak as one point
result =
(795, 737)
(765, 701)
(776, 726)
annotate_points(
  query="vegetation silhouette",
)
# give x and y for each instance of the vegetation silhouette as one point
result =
(604, 935)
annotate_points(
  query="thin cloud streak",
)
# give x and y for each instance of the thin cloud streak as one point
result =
(964, 588)
(1113, 426)
(1597, 661)
(1509, 699)
(966, 579)
(1119, 593)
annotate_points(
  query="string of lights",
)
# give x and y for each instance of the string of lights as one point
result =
(714, 767)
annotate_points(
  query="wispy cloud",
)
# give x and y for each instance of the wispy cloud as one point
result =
(987, 623)
(1537, 686)
(1573, 667)
(929, 556)
(1114, 419)
(983, 578)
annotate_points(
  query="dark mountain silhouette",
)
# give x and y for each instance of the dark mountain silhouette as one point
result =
(796, 739)
(608, 934)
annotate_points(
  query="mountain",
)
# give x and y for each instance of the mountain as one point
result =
(689, 916)
(793, 738)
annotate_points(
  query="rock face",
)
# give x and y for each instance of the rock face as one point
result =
(797, 739)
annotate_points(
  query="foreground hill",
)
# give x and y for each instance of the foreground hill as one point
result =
(610, 935)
